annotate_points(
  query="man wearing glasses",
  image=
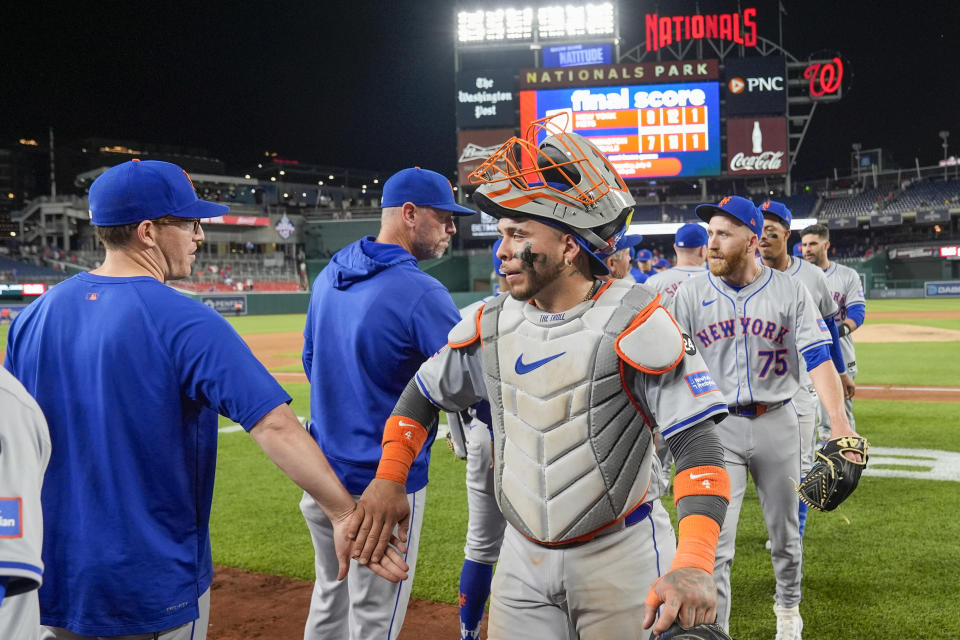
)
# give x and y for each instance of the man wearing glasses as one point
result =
(131, 376)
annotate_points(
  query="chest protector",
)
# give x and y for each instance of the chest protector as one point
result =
(572, 447)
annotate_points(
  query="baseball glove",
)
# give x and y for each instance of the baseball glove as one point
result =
(696, 632)
(833, 476)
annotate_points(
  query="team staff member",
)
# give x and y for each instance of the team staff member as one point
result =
(756, 328)
(847, 290)
(130, 375)
(374, 317)
(690, 246)
(644, 268)
(578, 372)
(24, 453)
(618, 263)
(773, 253)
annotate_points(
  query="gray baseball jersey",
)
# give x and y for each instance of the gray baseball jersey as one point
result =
(24, 454)
(816, 283)
(752, 339)
(847, 291)
(667, 282)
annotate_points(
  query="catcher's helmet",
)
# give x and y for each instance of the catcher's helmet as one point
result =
(565, 182)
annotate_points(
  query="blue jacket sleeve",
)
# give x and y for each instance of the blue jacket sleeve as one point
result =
(307, 356)
(835, 353)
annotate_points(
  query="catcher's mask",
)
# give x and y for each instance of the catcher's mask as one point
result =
(565, 182)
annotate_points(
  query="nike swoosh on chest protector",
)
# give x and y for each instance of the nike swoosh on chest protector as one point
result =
(522, 368)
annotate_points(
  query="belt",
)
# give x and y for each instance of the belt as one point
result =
(753, 410)
(637, 515)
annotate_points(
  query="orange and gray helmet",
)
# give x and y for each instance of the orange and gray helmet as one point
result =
(563, 181)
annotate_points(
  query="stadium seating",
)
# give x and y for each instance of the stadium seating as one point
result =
(25, 270)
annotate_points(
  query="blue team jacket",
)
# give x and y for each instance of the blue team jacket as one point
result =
(374, 317)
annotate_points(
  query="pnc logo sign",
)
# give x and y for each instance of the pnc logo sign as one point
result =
(738, 85)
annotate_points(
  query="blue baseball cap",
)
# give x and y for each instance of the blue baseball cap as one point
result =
(643, 255)
(691, 236)
(139, 190)
(629, 241)
(662, 263)
(423, 188)
(798, 249)
(740, 208)
(779, 210)
(497, 261)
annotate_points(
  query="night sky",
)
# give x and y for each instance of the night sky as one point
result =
(371, 84)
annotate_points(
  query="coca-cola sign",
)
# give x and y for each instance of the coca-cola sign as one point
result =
(756, 146)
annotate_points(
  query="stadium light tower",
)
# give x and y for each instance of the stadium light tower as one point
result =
(856, 154)
(944, 135)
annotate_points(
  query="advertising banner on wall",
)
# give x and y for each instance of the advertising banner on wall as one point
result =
(886, 220)
(755, 86)
(937, 215)
(485, 98)
(227, 305)
(575, 55)
(842, 223)
(476, 145)
(756, 146)
(945, 289)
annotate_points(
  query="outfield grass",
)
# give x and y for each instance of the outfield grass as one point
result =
(952, 324)
(280, 323)
(912, 304)
(885, 559)
(908, 363)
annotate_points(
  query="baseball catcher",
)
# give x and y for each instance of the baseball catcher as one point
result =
(834, 476)
(710, 631)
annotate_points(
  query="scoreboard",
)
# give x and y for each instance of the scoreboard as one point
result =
(645, 131)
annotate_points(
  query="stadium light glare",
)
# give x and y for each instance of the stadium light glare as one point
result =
(247, 176)
(518, 23)
(376, 181)
(470, 26)
(273, 178)
(330, 177)
(282, 172)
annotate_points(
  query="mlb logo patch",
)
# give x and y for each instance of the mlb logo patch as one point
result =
(822, 324)
(700, 383)
(11, 518)
(91, 296)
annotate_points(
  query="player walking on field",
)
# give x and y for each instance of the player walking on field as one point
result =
(131, 375)
(578, 372)
(690, 245)
(374, 317)
(847, 290)
(773, 253)
(756, 328)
